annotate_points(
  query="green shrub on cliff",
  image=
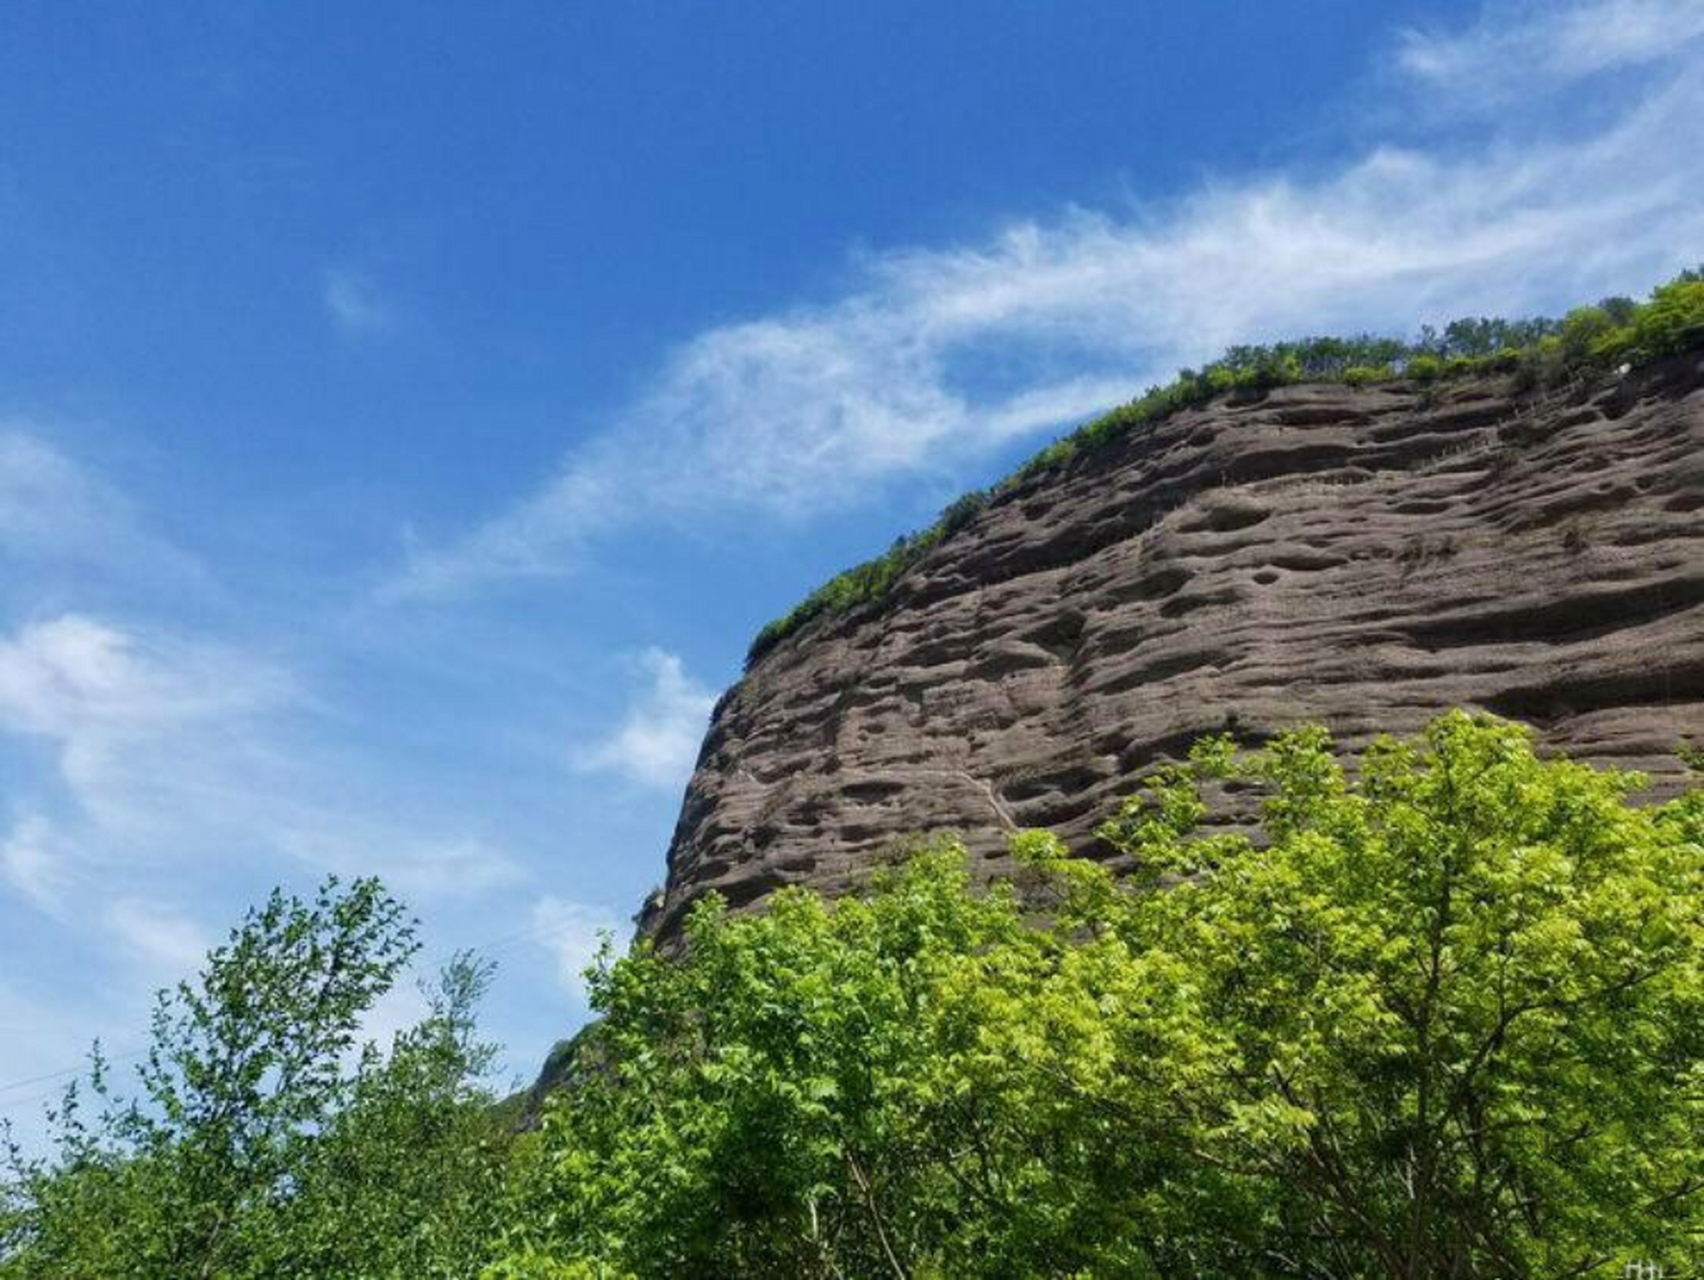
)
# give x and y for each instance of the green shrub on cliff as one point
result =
(1444, 1017)
(1672, 321)
(1361, 375)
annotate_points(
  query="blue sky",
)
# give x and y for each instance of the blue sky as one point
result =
(408, 415)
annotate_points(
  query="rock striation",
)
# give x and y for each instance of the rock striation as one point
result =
(1357, 557)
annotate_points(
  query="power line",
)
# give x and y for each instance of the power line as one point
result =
(67, 1071)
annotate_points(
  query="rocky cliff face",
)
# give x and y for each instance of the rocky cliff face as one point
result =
(1362, 558)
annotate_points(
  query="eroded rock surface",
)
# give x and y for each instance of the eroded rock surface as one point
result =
(1362, 558)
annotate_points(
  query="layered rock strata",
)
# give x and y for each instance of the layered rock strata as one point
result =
(1357, 557)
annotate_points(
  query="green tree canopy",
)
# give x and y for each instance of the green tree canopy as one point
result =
(264, 1141)
(1436, 1010)
(1439, 1015)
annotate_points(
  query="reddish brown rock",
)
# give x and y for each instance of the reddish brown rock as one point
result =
(1362, 558)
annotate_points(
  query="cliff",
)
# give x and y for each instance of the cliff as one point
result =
(1358, 557)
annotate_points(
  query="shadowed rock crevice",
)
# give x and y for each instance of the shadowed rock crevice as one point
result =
(1363, 558)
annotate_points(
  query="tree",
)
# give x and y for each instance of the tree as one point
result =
(406, 1177)
(1438, 1011)
(261, 1139)
(774, 1101)
(1447, 1020)
(1443, 1015)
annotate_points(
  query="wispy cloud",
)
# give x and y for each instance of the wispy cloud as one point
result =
(165, 746)
(78, 679)
(573, 933)
(1539, 46)
(58, 513)
(46, 502)
(32, 864)
(657, 741)
(168, 943)
(143, 726)
(418, 865)
(355, 304)
(797, 413)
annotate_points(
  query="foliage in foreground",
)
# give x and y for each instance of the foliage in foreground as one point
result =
(1443, 1018)
(264, 1141)
(1613, 332)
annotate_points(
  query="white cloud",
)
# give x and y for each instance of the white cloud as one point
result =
(170, 750)
(802, 412)
(33, 865)
(573, 933)
(146, 733)
(75, 675)
(152, 776)
(1531, 47)
(52, 509)
(419, 866)
(45, 500)
(142, 725)
(458, 868)
(658, 739)
(354, 303)
(166, 942)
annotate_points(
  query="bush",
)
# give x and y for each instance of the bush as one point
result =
(1583, 332)
(1672, 321)
(1361, 375)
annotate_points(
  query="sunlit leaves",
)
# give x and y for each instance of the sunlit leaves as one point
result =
(1441, 1016)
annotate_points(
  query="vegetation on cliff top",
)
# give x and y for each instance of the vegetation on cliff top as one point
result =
(1444, 1016)
(1615, 331)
